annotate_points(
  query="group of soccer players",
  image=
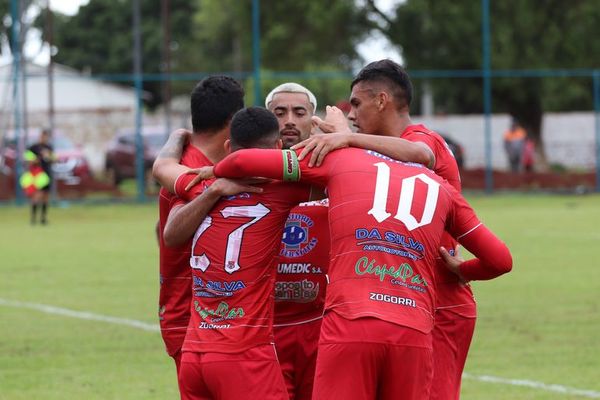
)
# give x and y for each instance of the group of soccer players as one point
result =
(270, 290)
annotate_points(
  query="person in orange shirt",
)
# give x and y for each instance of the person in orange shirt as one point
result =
(514, 140)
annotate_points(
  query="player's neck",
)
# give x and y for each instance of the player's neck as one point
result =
(211, 144)
(396, 123)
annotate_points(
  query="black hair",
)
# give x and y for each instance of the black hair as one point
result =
(254, 127)
(214, 101)
(390, 74)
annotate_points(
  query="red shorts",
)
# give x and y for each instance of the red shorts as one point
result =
(252, 374)
(297, 351)
(452, 336)
(364, 370)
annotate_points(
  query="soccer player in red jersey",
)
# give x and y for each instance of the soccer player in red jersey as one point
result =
(303, 258)
(301, 280)
(233, 262)
(213, 102)
(380, 100)
(386, 222)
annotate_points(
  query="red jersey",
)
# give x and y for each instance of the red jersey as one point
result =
(445, 163)
(386, 219)
(451, 294)
(303, 262)
(175, 275)
(233, 263)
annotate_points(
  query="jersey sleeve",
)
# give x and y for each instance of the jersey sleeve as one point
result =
(183, 180)
(273, 164)
(492, 256)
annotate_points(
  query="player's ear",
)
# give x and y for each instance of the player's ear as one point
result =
(279, 144)
(383, 98)
(227, 146)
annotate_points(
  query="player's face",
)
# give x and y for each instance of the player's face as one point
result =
(293, 111)
(364, 112)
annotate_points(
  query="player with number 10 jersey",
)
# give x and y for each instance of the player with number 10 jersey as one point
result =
(386, 221)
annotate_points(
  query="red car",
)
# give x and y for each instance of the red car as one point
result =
(70, 168)
(121, 152)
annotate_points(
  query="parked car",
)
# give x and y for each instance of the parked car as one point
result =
(456, 149)
(121, 152)
(70, 167)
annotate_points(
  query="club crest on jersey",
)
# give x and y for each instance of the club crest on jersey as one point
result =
(296, 236)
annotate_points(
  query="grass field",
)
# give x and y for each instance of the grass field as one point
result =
(540, 323)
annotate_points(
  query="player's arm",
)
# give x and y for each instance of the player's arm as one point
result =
(396, 148)
(268, 163)
(493, 257)
(184, 219)
(166, 168)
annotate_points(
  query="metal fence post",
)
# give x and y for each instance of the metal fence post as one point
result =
(487, 93)
(256, 50)
(137, 72)
(596, 81)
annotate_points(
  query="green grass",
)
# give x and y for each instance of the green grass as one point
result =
(539, 323)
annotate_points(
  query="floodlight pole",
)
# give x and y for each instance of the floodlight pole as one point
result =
(596, 81)
(16, 52)
(137, 77)
(487, 93)
(256, 50)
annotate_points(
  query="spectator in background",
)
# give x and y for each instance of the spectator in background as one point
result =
(528, 158)
(514, 141)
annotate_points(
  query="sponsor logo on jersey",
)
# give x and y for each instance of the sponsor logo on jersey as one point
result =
(243, 195)
(297, 291)
(216, 288)
(402, 275)
(206, 325)
(386, 158)
(296, 236)
(388, 298)
(297, 268)
(389, 242)
(223, 312)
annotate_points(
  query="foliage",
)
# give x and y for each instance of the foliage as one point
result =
(295, 36)
(99, 38)
(212, 36)
(524, 35)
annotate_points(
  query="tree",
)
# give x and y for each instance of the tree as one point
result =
(99, 38)
(213, 36)
(524, 35)
(295, 36)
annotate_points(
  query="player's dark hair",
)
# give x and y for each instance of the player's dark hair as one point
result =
(390, 74)
(214, 101)
(254, 127)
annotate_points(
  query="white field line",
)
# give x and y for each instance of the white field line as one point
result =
(155, 328)
(81, 315)
(534, 385)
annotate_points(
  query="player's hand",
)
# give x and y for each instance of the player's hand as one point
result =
(335, 121)
(320, 146)
(453, 261)
(230, 187)
(202, 174)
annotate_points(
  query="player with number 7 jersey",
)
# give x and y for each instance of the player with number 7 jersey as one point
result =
(233, 261)
(386, 222)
